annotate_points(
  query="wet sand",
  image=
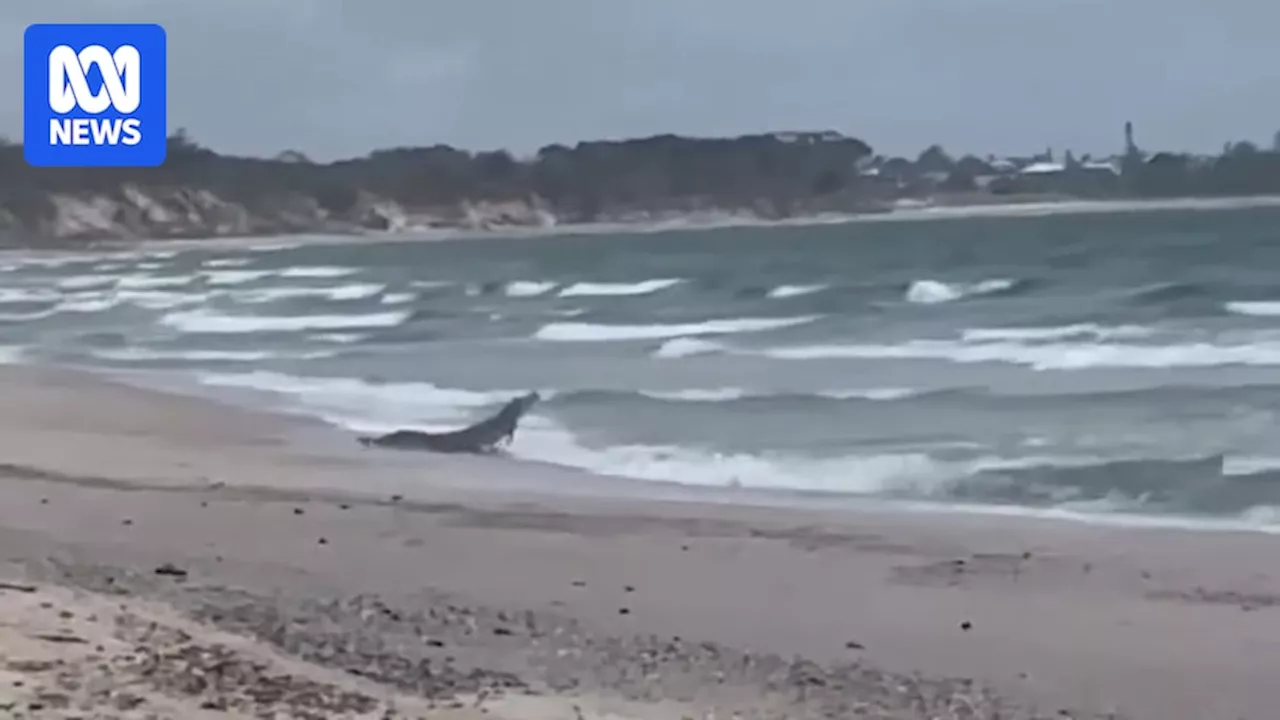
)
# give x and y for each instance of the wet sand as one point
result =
(465, 585)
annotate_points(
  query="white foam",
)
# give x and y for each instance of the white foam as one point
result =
(398, 298)
(1062, 332)
(323, 271)
(234, 277)
(28, 295)
(592, 332)
(687, 347)
(83, 282)
(362, 405)
(144, 282)
(10, 355)
(528, 288)
(1047, 356)
(367, 407)
(930, 292)
(159, 299)
(354, 291)
(271, 247)
(139, 354)
(56, 261)
(1257, 309)
(150, 266)
(338, 338)
(544, 441)
(877, 394)
(207, 321)
(88, 305)
(226, 262)
(726, 394)
(699, 394)
(1249, 464)
(26, 317)
(789, 291)
(643, 287)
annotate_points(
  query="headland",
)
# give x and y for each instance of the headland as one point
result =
(765, 177)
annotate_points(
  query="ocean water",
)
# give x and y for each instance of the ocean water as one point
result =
(1090, 364)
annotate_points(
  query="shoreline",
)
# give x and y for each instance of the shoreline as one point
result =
(589, 484)
(720, 222)
(277, 522)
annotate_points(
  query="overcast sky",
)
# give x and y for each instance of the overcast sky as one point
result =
(340, 77)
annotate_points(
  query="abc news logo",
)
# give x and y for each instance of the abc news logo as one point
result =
(94, 95)
(69, 89)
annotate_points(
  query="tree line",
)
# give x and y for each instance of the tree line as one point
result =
(777, 174)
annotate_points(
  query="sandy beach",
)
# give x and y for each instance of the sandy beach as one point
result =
(171, 557)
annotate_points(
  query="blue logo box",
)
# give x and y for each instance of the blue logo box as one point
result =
(94, 95)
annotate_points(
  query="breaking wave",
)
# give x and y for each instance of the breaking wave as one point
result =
(141, 354)
(591, 332)
(932, 292)
(1256, 308)
(1046, 356)
(355, 291)
(644, 287)
(682, 347)
(208, 321)
(790, 291)
(528, 288)
(1069, 483)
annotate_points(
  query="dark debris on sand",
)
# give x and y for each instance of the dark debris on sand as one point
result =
(438, 647)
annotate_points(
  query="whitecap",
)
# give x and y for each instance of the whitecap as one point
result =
(1254, 308)
(1061, 332)
(139, 354)
(364, 405)
(644, 287)
(931, 292)
(1048, 356)
(206, 321)
(593, 332)
(338, 338)
(28, 295)
(354, 291)
(154, 281)
(682, 347)
(323, 271)
(234, 277)
(226, 262)
(528, 288)
(82, 282)
(790, 291)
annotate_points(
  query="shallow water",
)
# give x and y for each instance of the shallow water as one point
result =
(1088, 363)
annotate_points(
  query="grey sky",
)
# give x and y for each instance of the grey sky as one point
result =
(340, 77)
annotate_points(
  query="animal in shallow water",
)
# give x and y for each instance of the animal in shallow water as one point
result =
(483, 437)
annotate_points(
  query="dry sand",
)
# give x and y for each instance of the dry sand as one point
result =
(445, 586)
